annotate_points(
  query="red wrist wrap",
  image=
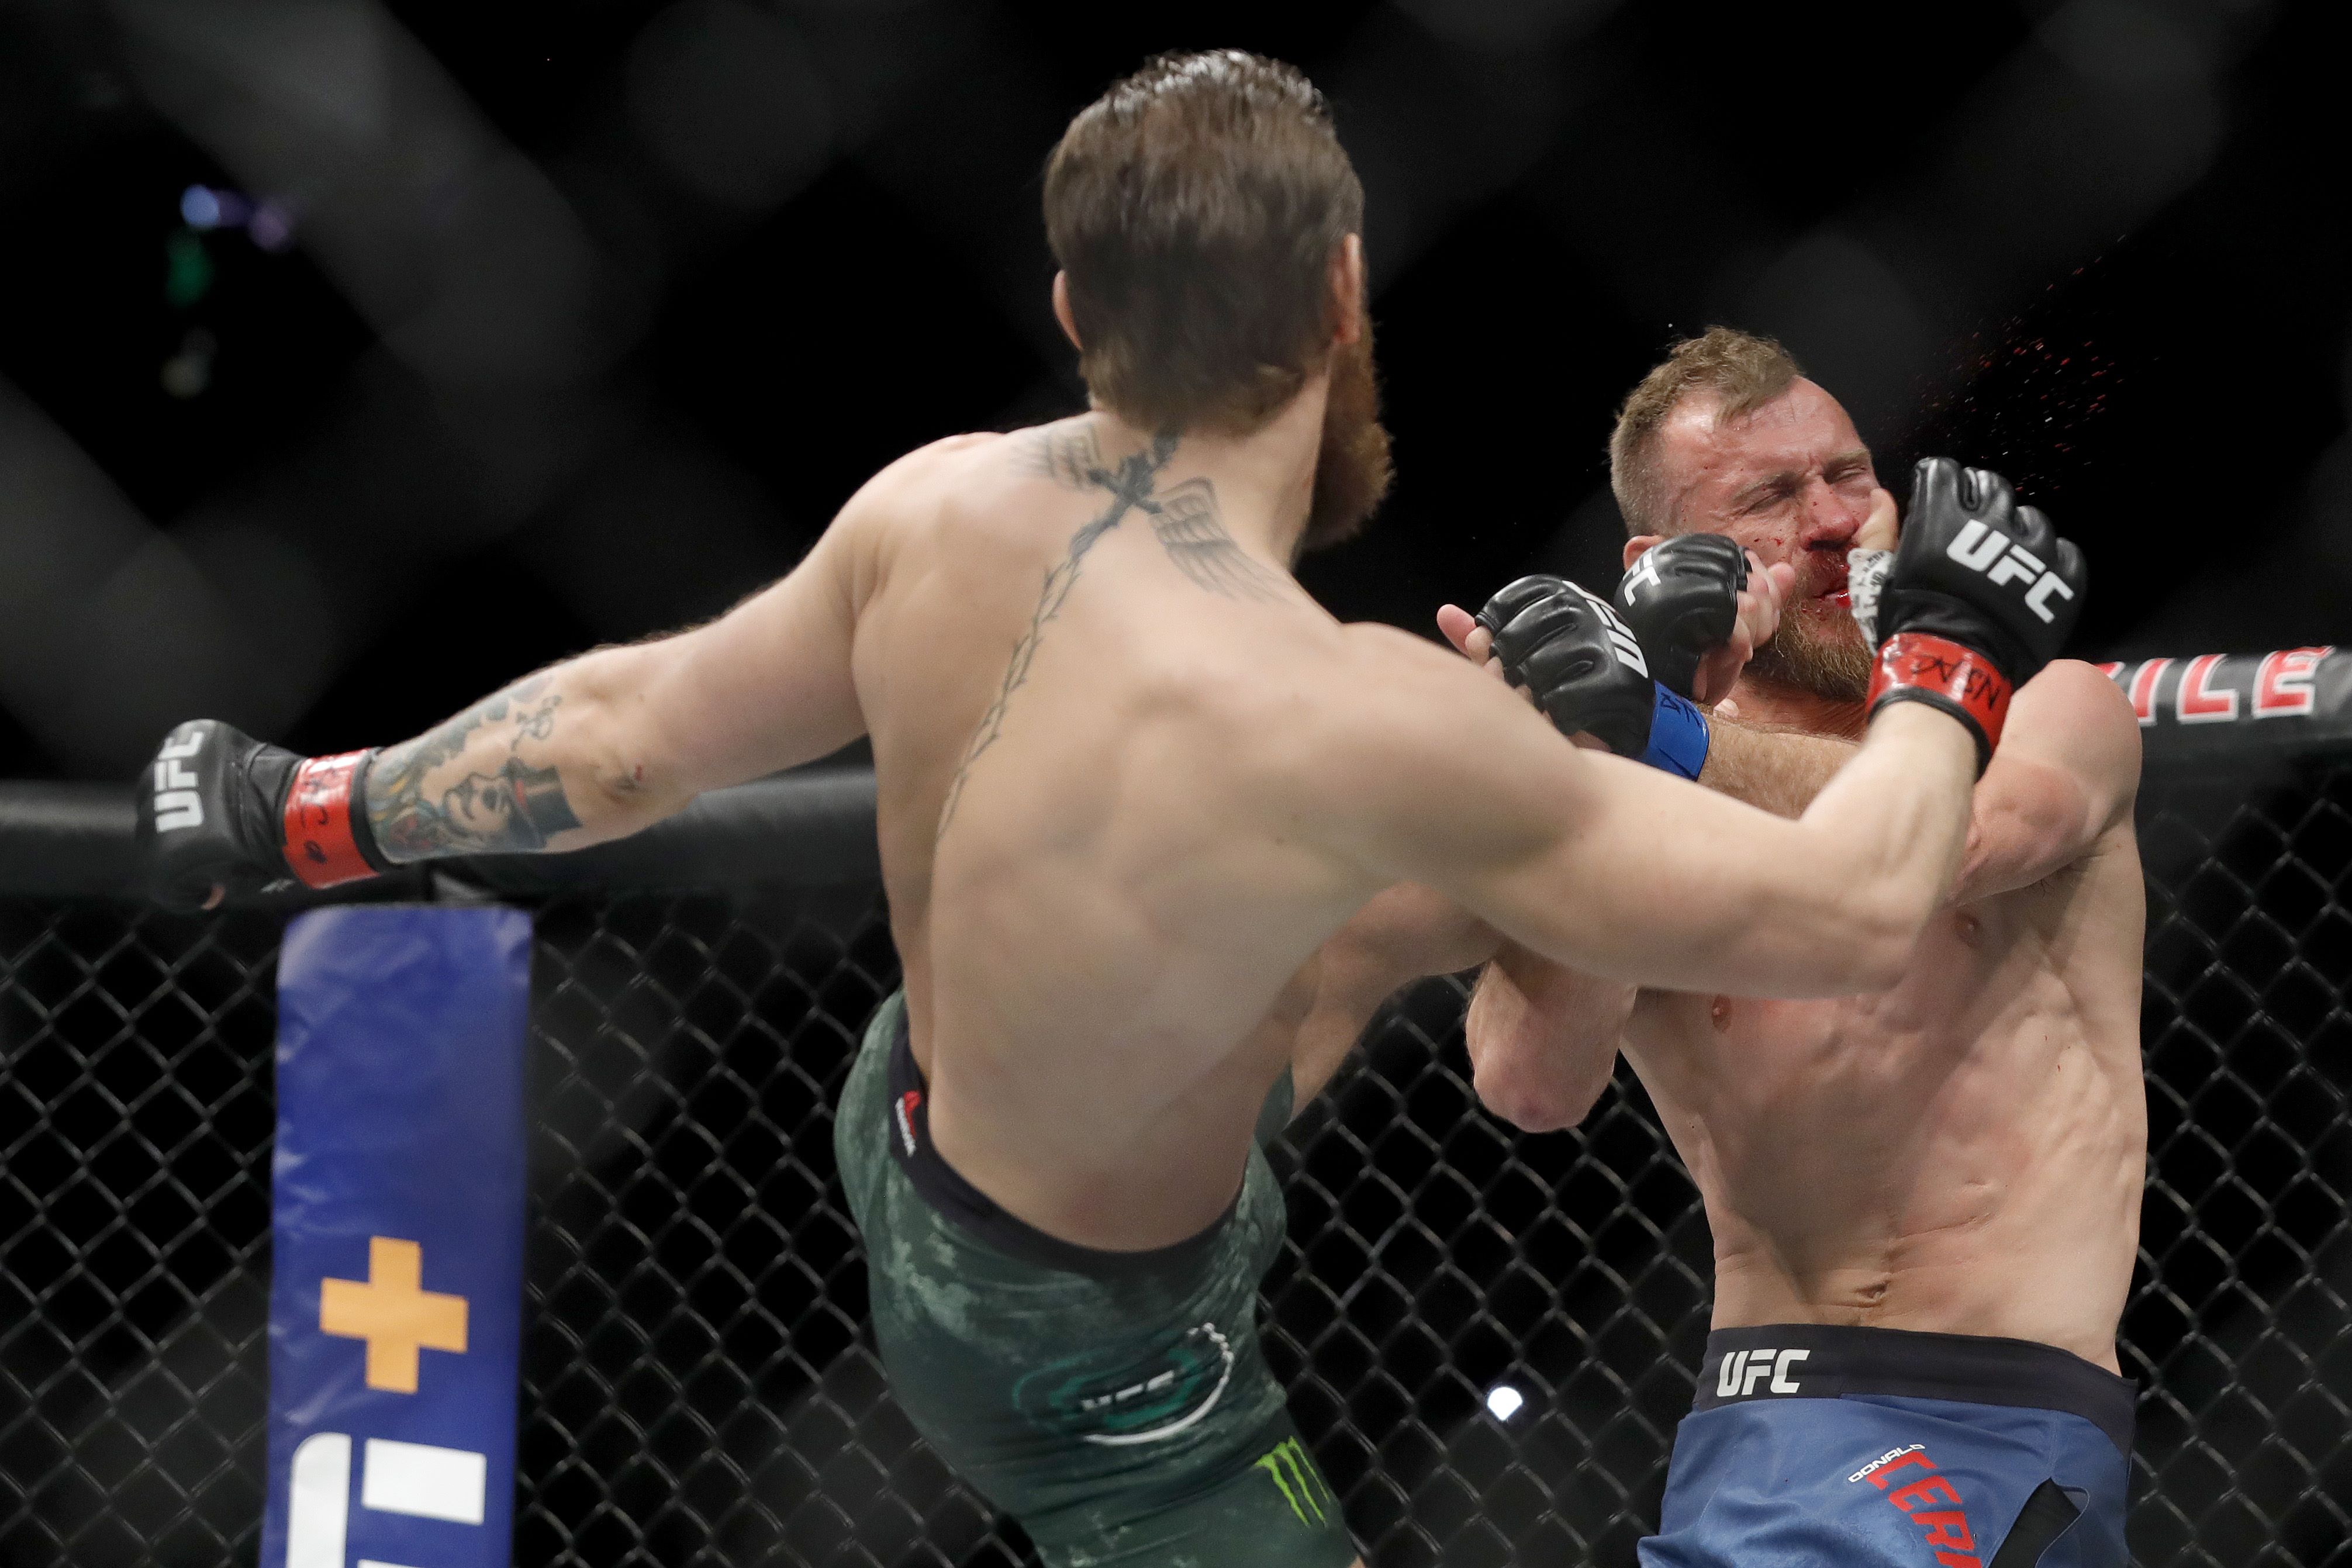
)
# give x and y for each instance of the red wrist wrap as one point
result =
(320, 844)
(1959, 680)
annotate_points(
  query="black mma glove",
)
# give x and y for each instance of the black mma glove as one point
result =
(1681, 599)
(1977, 597)
(1589, 674)
(218, 808)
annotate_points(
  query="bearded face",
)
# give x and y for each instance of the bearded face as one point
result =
(1352, 469)
(1819, 649)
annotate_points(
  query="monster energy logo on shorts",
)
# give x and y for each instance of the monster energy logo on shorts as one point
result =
(1303, 1487)
(1140, 1400)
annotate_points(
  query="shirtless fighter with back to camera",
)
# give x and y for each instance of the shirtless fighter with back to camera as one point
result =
(1130, 780)
(1924, 1203)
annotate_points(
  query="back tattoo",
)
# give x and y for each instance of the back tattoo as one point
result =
(1185, 519)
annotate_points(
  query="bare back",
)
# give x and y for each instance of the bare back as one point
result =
(1062, 656)
(1962, 1154)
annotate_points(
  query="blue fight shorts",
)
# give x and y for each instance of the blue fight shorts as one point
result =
(1812, 1445)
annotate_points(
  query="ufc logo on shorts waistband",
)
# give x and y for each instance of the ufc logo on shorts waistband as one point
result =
(1742, 1369)
(1982, 549)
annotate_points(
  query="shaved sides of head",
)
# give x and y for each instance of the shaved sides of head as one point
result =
(1196, 209)
(1739, 371)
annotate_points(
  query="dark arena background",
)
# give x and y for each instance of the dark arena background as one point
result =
(356, 357)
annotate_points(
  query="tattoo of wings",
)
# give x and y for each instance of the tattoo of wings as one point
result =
(1071, 459)
(1191, 528)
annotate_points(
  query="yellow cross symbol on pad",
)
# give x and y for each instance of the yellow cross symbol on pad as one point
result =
(393, 1313)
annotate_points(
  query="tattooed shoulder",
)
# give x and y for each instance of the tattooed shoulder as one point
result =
(1067, 453)
(1191, 530)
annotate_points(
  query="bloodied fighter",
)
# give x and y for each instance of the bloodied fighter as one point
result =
(1924, 1203)
(1150, 820)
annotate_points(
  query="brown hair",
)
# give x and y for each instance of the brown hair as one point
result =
(1194, 209)
(1741, 370)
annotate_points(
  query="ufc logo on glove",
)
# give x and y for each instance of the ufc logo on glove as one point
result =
(1980, 549)
(177, 804)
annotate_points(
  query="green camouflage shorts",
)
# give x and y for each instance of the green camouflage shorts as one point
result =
(1117, 1404)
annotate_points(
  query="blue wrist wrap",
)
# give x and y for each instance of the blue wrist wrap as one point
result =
(1678, 736)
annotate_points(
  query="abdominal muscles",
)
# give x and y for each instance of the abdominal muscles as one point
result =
(1959, 1156)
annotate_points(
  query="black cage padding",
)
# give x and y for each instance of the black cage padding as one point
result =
(697, 1386)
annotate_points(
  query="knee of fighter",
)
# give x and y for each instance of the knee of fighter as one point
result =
(1527, 1100)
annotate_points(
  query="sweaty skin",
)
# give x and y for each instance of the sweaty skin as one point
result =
(1133, 782)
(1964, 1152)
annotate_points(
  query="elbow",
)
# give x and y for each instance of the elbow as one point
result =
(1879, 962)
(1883, 934)
(611, 762)
(1860, 946)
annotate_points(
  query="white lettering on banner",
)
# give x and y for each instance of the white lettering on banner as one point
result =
(1781, 1382)
(2143, 689)
(319, 1502)
(424, 1482)
(2283, 682)
(1759, 1367)
(1726, 1376)
(2194, 703)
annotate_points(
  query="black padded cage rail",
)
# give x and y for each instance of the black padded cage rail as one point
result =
(697, 1389)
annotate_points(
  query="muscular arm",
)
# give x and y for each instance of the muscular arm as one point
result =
(1779, 771)
(1422, 769)
(1403, 934)
(2067, 769)
(602, 745)
(1543, 1038)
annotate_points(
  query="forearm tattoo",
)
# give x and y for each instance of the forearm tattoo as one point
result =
(1185, 519)
(503, 805)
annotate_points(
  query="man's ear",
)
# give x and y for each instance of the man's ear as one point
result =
(1062, 310)
(1348, 290)
(1639, 546)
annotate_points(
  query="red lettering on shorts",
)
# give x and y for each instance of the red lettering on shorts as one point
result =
(1946, 1528)
(1911, 1497)
(1882, 1476)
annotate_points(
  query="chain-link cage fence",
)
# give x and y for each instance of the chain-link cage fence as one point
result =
(699, 1388)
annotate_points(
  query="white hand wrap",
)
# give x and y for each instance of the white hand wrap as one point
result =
(1865, 574)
